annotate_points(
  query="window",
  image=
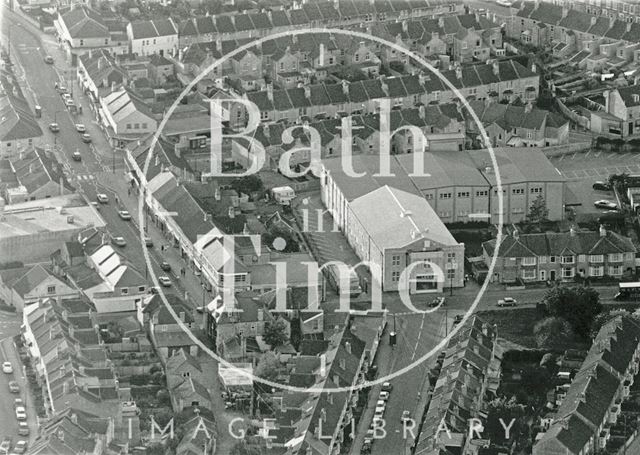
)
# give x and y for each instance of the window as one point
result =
(582, 258)
(428, 197)
(615, 270)
(567, 259)
(141, 288)
(517, 210)
(542, 260)
(518, 191)
(529, 261)
(451, 257)
(529, 274)
(144, 125)
(482, 193)
(136, 126)
(597, 270)
(81, 42)
(51, 289)
(536, 190)
(552, 259)
(445, 195)
(395, 260)
(616, 257)
(567, 272)
(124, 290)
(128, 126)
(463, 194)
(186, 374)
(596, 258)
(106, 41)
(395, 276)
(239, 278)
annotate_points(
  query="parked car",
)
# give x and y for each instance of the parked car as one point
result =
(165, 266)
(384, 396)
(125, 215)
(14, 387)
(119, 241)
(48, 59)
(54, 127)
(20, 447)
(387, 387)
(5, 445)
(507, 301)
(23, 429)
(604, 204)
(102, 198)
(86, 138)
(7, 367)
(18, 402)
(602, 186)
(379, 412)
(80, 128)
(458, 319)
(406, 415)
(147, 241)
(21, 413)
(76, 156)
(164, 281)
(437, 301)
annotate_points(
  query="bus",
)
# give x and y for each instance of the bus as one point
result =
(354, 288)
(628, 291)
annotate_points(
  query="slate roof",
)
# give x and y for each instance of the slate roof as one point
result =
(550, 244)
(36, 168)
(547, 13)
(82, 22)
(577, 20)
(627, 94)
(18, 122)
(153, 28)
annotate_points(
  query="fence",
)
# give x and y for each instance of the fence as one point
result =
(133, 370)
(625, 447)
(583, 122)
(566, 149)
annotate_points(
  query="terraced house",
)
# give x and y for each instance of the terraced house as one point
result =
(561, 256)
(582, 424)
(306, 14)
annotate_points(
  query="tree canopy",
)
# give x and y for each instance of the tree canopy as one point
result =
(268, 366)
(275, 333)
(579, 305)
(552, 333)
(538, 212)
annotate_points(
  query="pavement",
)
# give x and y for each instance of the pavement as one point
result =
(9, 327)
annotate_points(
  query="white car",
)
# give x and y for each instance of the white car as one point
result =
(406, 415)
(379, 411)
(125, 215)
(165, 281)
(21, 413)
(80, 128)
(20, 447)
(102, 198)
(507, 301)
(604, 204)
(384, 396)
(7, 368)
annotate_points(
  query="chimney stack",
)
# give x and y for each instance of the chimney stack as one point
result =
(603, 231)
(345, 87)
(270, 91)
(496, 68)
(321, 56)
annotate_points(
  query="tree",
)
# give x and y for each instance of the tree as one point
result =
(248, 185)
(579, 305)
(268, 366)
(538, 212)
(242, 448)
(275, 333)
(552, 333)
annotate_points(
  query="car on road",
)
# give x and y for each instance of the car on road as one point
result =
(21, 413)
(381, 403)
(406, 415)
(387, 387)
(604, 204)
(80, 128)
(20, 447)
(86, 138)
(7, 367)
(18, 402)
(48, 59)
(507, 301)
(165, 281)
(54, 127)
(436, 302)
(601, 186)
(147, 241)
(384, 396)
(5, 445)
(119, 241)
(76, 156)
(61, 88)
(102, 198)
(14, 387)
(165, 266)
(379, 412)
(23, 428)
(458, 319)
(125, 215)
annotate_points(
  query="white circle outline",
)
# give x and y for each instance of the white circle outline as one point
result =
(401, 50)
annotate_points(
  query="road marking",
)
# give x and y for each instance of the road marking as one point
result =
(574, 156)
(587, 153)
(598, 153)
(561, 157)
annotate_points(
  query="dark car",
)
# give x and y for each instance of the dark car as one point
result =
(601, 186)
(457, 319)
(76, 156)
(165, 266)
(437, 301)
(48, 59)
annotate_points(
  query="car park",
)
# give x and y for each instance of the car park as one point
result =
(102, 198)
(76, 156)
(507, 301)
(164, 281)
(165, 266)
(601, 186)
(119, 241)
(7, 367)
(23, 429)
(54, 127)
(604, 204)
(80, 128)
(21, 413)
(14, 387)
(48, 59)
(125, 215)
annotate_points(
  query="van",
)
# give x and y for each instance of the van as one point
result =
(283, 195)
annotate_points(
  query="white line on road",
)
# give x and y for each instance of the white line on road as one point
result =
(597, 153)
(574, 156)
(561, 158)
(587, 153)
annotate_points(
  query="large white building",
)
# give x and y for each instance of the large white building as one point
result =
(394, 227)
(158, 36)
